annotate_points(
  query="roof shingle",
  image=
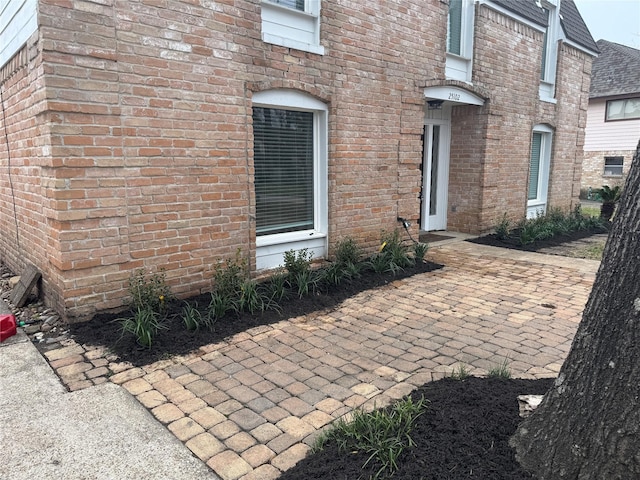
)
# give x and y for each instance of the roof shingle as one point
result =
(616, 71)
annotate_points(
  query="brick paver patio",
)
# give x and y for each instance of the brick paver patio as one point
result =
(250, 407)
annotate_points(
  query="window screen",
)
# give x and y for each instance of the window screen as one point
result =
(283, 158)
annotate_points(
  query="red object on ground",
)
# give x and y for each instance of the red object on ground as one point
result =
(7, 327)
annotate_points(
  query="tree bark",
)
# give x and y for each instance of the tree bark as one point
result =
(588, 425)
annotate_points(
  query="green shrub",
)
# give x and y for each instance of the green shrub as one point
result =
(229, 275)
(144, 325)
(348, 252)
(149, 291)
(383, 435)
(297, 262)
(503, 228)
(251, 299)
(420, 251)
(219, 305)
(193, 318)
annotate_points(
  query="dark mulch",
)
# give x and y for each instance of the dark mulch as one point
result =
(463, 435)
(513, 241)
(105, 329)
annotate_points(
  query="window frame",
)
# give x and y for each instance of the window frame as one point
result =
(624, 100)
(538, 205)
(459, 65)
(621, 166)
(270, 248)
(549, 60)
(289, 27)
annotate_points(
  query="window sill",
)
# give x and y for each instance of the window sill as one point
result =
(290, 43)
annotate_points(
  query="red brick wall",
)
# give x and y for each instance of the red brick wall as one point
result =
(149, 111)
(133, 139)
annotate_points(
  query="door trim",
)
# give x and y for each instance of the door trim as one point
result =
(439, 220)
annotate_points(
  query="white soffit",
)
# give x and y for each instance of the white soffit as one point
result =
(452, 94)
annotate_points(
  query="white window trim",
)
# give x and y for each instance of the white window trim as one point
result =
(270, 248)
(621, 166)
(279, 22)
(459, 67)
(538, 205)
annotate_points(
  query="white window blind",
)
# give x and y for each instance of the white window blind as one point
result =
(296, 4)
(284, 166)
(534, 166)
(454, 37)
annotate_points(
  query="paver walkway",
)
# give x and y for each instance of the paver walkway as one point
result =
(250, 407)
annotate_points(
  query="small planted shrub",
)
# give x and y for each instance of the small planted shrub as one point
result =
(503, 228)
(276, 287)
(420, 251)
(296, 262)
(554, 222)
(383, 435)
(251, 299)
(348, 252)
(193, 318)
(149, 296)
(149, 291)
(219, 305)
(143, 325)
(229, 276)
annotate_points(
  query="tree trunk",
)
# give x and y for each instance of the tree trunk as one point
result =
(588, 425)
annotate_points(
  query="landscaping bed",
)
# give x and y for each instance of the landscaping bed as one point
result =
(175, 339)
(463, 434)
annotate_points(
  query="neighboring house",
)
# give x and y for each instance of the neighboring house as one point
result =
(169, 134)
(613, 116)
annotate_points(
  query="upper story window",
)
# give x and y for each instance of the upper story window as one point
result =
(460, 40)
(626, 109)
(549, 52)
(293, 24)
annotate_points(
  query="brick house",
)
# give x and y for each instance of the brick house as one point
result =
(168, 134)
(613, 115)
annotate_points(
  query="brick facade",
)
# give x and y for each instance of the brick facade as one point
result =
(593, 169)
(130, 134)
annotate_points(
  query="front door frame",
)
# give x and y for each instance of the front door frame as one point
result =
(437, 221)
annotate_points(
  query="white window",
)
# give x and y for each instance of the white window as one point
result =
(293, 24)
(539, 165)
(549, 53)
(613, 166)
(460, 40)
(623, 109)
(290, 164)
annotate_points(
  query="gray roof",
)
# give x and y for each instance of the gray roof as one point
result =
(616, 71)
(572, 23)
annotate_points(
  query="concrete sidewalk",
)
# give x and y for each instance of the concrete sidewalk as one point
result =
(250, 406)
(93, 434)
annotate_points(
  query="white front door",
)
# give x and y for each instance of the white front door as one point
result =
(435, 175)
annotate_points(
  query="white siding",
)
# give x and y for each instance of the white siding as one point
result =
(18, 20)
(601, 135)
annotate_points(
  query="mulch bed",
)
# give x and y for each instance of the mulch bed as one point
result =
(513, 240)
(463, 435)
(105, 329)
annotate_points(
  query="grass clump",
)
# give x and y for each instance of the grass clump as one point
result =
(144, 325)
(501, 371)
(461, 372)
(383, 435)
